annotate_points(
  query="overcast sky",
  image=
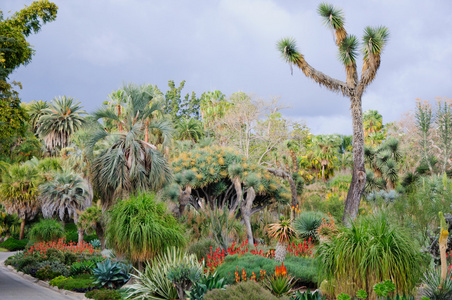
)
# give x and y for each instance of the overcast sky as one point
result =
(94, 46)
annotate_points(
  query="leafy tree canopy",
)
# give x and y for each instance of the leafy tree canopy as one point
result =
(14, 48)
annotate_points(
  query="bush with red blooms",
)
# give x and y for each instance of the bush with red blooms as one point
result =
(216, 258)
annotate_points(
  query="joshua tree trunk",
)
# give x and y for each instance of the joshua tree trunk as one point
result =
(245, 209)
(280, 252)
(22, 229)
(359, 173)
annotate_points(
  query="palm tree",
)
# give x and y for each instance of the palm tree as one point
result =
(374, 40)
(129, 163)
(283, 232)
(18, 192)
(36, 110)
(64, 196)
(189, 129)
(59, 122)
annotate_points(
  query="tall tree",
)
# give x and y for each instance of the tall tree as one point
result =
(59, 121)
(129, 162)
(14, 48)
(373, 42)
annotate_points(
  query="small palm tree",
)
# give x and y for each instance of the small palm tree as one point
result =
(189, 129)
(59, 121)
(64, 196)
(18, 192)
(283, 232)
(93, 217)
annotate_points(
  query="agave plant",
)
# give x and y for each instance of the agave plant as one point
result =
(112, 275)
(205, 284)
(283, 232)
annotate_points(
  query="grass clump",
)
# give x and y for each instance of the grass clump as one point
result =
(46, 230)
(370, 251)
(103, 294)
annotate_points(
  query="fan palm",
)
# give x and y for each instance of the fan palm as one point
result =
(373, 42)
(129, 163)
(18, 192)
(59, 121)
(63, 196)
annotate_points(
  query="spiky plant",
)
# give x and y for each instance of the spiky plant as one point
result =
(59, 121)
(373, 42)
(36, 110)
(189, 129)
(140, 228)
(283, 233)
(370, 251)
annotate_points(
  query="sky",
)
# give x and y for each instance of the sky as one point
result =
(94, 47)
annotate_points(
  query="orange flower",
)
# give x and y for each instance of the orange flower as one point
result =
(283, 270)
(277, 271)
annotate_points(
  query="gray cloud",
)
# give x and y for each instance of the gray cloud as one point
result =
(229, 45)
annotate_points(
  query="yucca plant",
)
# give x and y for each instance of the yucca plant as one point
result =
(368, 252)
(307, 223)
(283, 233)
(153, 283)
(432, 281)
(373, 43)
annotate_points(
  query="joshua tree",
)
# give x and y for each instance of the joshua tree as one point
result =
(374, 40)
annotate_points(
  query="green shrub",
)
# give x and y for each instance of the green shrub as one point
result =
(78, 284)
(307, 223)
(46, 230)
(55, 254)
(90, 237)
(202, 247)
(82, 267)
(51, 269)
(205, 284)
(302, 268)
(372, 245)
(249, 290)
(69, 257)
(103, 294)
(58, 281)
(12, 244)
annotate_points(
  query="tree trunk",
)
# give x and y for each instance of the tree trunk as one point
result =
(22, 229)
(81, 234)
(245, 209)
(359, 173)
(100, 234)
(184, 199)
(293, 187)
(280, 252)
